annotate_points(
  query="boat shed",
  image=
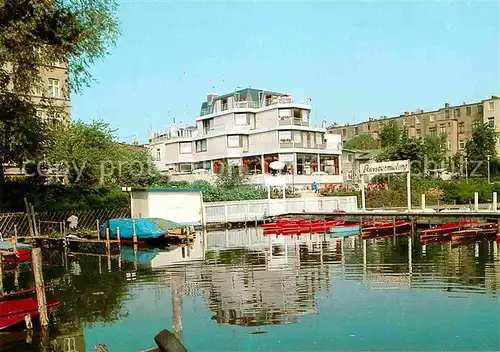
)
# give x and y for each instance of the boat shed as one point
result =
(181, 205)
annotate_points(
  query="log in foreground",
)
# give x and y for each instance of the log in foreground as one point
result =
(167, 342)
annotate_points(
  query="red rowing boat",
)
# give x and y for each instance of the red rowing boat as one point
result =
(387, 228)
(12, 312)
(445, 228)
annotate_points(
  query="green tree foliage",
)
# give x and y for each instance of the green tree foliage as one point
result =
(21, 135)
(425, 154)
(34, 35)
(90, 156)
(391, 134)
(482, 144)
(362, 142)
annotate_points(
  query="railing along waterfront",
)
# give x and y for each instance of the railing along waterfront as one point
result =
(49, 221)
(251, 210)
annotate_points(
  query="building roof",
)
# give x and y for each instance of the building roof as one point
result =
(249, 94)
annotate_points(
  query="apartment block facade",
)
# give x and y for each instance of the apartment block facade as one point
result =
(249, 129)
(456, 121)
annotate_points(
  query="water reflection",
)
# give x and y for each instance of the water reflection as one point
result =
(249, 280)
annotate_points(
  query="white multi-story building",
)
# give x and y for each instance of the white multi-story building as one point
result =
(249, 129)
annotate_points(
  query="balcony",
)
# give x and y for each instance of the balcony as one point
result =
(288, 121)
(246, 104)
(285, 144)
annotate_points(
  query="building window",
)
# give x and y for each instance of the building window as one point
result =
(284, 114)
(356, 131)
(432, 118)
(479, 109)
(456, 112)
(432, 130)
(240, 119)
(369, 126)
(185, 148)
(305, 116)
(461, 144)
(491, 105)
(158, 154)
(344, 132)
(285, 136)
(418, 133)
(461, 126)
(208, 125)
(468, 111)
(442, 128)
(491, 121)
(448, 145)
(185, 168)
(447, 114)
(350, 158)
(234, 141)
(201, 145)
(54, 88)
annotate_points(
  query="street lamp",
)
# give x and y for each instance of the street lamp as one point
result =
(466, 171)
(488, 157)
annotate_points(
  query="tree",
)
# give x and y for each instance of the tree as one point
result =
(90, 155)
(34, 35)
(482, 145)
(435, 151)
(362, 142)
(21, 134)
(391, 134)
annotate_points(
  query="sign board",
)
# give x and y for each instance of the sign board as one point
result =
(388, 167)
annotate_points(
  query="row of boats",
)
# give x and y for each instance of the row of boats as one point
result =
(371, 228)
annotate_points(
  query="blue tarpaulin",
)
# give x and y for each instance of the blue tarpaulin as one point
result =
(144, 229)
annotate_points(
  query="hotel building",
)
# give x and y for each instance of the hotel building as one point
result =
(249, 129)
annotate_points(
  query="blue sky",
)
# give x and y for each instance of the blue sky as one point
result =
(354, 60)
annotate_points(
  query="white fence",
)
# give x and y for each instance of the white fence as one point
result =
(251, 210)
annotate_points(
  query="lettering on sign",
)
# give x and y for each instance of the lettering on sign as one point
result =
(385, 167)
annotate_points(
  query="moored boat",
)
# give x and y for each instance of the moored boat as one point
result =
(12, 312)
(388, 228)
(443, 229)
(144, 229)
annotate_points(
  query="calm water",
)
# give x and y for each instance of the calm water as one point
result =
(241, 291)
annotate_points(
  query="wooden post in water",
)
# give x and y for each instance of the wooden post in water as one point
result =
(1, 272)
(14, 247)
(118, 238)
(177, 305)
(36, 258)
(34, 219)
(134, 234)
(28, 214)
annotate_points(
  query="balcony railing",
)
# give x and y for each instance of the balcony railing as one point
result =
(250, 104)
(301, 145)
(288, 121)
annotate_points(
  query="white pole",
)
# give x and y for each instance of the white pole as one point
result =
(423, 201)
(476, 201)
(269, 200)
(494, 201)
(284, 197)
(408, 187)
(363, 200)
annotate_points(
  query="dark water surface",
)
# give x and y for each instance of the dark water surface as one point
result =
(240, 291)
